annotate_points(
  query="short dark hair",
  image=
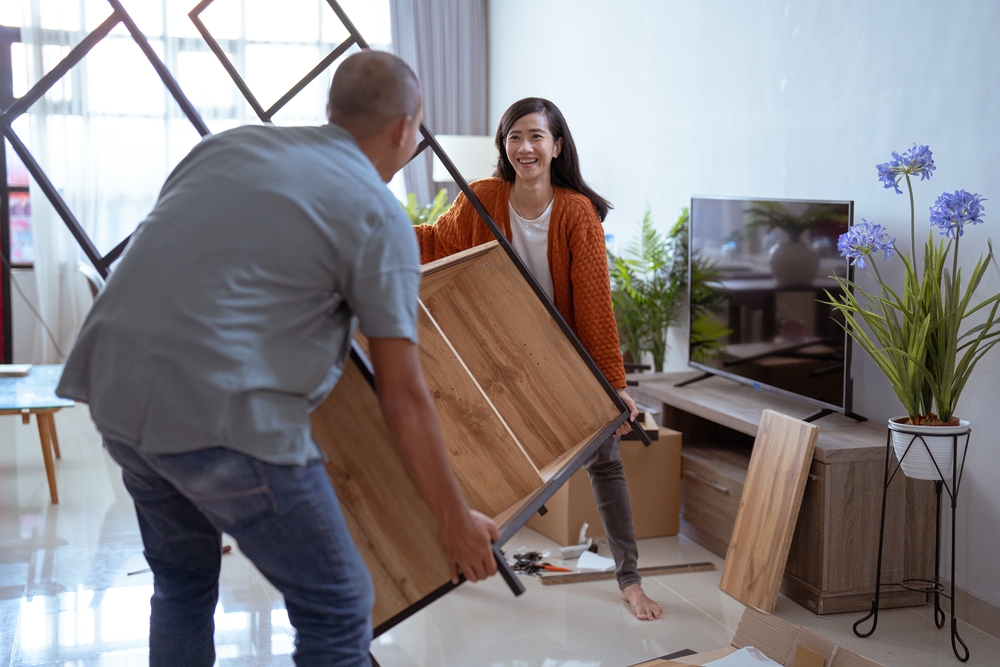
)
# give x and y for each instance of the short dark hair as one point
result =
(565, 168)
(370, 89)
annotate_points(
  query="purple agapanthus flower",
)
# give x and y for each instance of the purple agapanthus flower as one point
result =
(862, 240)
(917, 162)
(953, 210)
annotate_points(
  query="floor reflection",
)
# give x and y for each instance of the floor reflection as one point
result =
(113, 624)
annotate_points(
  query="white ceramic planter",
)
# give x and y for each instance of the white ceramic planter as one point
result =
(918, 463)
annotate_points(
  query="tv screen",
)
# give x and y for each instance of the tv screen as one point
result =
(759, 271)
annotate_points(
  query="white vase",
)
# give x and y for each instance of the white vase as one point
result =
(940, 440)
(793, 263)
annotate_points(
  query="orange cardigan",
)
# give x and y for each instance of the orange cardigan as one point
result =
(577, 260)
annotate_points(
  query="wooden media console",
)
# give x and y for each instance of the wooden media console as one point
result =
(831, 566)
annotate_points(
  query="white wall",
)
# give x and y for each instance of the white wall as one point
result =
(671, 98)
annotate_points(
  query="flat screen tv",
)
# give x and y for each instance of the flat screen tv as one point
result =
(759, 271)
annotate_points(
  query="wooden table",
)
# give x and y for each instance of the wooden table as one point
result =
(831, 564)
(34, 394)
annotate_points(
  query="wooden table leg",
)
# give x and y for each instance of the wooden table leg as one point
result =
(44, 432)
(52, 433)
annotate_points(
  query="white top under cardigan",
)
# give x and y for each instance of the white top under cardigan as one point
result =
(530, 239)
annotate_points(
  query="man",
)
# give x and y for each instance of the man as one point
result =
(227, 321)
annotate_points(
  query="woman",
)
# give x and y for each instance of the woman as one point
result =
(553, 220)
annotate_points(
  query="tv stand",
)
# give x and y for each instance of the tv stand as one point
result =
(697, 378)
(832, 559)
(819, 414)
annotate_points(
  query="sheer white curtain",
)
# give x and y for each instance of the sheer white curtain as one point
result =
(108, 133)
(446, 44)
(56, 139)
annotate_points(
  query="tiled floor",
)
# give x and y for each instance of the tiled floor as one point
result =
(67, 598)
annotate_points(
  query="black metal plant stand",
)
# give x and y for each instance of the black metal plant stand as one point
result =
(931, 586)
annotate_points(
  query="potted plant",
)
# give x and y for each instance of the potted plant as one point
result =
(649, 290)
(644, 296)
(928, 337)
(792, 261)
(426, 215)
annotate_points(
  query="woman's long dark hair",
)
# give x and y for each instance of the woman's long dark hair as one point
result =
(565, 169)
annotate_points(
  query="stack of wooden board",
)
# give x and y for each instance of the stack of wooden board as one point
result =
(519, 407)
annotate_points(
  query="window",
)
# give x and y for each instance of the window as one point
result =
(113, 111)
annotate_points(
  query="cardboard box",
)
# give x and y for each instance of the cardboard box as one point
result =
(653, 475)
(786, 644)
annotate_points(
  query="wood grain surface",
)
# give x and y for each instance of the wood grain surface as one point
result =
(739, 407)
(390, 523)
(490, 465)
(540, 385)
(769, 509)
(441, 272)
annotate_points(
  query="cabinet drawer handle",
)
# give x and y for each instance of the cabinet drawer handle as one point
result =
(698, 478)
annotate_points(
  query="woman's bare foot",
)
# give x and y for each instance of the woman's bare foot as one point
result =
(643, 608)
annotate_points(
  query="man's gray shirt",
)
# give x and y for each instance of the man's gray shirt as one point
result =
(231, 313)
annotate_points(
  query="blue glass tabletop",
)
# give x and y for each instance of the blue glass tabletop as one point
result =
(34, 391)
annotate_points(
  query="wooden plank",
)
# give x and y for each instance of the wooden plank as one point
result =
(441, 272)
(518, 354)
(578, 577)
(392, 526)
(769, 509)
(491, 468)
(739, 407)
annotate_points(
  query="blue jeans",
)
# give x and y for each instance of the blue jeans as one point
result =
(286, 520)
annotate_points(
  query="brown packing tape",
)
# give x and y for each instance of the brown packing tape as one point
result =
(806, 657)
(818, 644)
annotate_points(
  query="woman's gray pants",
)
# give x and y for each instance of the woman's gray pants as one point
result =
(607, 477)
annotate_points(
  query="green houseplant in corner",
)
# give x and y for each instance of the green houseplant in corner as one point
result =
(928, 337)
(649, 286)
(643, 293)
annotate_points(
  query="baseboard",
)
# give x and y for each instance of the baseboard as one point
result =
(719, 547)
(842, 602)
(974, 610)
